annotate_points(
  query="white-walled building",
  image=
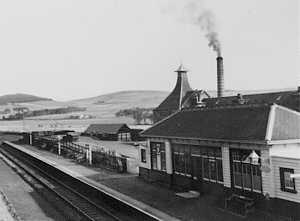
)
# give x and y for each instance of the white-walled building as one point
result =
(244, 150)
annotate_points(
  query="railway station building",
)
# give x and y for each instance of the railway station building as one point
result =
(250, 150)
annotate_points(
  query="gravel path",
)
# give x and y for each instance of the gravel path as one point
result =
(4, 212)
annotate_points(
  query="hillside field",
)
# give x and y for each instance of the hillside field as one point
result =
(102, 108)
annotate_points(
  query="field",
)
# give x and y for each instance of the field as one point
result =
(102, 108)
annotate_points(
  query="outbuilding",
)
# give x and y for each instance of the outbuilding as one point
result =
(115, 132)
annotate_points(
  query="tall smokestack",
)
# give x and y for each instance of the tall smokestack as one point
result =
(220, 76)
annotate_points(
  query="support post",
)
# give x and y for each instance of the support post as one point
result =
(88, 154)
(169, 164)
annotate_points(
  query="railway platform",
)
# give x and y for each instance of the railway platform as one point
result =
(158, 201)
(93, 176)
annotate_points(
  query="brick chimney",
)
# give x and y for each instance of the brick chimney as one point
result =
(220, 77)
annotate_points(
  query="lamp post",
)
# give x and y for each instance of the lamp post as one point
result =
(254, 158)
(293, 176)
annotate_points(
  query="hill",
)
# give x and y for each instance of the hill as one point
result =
(20, 98)
(108, 104)
(132, 98)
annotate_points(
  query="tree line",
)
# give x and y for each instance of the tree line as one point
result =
(140, 115)
(22, 112)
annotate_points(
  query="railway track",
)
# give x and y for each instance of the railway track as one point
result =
(86, 203)
(81, 204)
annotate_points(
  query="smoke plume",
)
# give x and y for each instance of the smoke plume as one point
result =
(205, 19)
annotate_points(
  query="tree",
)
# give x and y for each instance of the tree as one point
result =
(140, 115)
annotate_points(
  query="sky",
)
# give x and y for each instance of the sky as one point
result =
(70, 49)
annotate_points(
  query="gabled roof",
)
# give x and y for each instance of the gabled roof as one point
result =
(285, 124)
(189, 97)
(106, 128)
(174, 99)
(239, 123)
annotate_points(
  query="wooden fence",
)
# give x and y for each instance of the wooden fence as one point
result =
(109, 160)
(80, 153)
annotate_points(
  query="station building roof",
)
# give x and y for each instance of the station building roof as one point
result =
(230, 123)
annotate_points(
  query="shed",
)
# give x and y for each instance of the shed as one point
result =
(109, 131)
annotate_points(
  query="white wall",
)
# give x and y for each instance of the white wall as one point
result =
(286, 163)
(291, 162)
(146, 165)
(267, 176)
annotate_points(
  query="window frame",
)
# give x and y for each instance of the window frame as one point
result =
(284, 188)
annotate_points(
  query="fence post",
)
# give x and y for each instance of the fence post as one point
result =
(87, 153)
(59, 148)
(30, 138)
(90, 155)
(59, 144)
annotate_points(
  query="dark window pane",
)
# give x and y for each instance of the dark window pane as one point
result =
(237, 174)
(197, 166)
(220, 170)
(247, 175)
(218, 153)
(163, 158)
(205, 168)
(256, 177)
(143, 155)
(175, 162)
(212, 170)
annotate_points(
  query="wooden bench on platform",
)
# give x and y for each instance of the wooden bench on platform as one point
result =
(239, 204)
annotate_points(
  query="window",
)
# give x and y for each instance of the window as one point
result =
(199, 162)
(124, 136)
(163, 158)
(246, 173)
(212, 164)
(143, 155)
(181, 160)
(287, 183)
(158, 156)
